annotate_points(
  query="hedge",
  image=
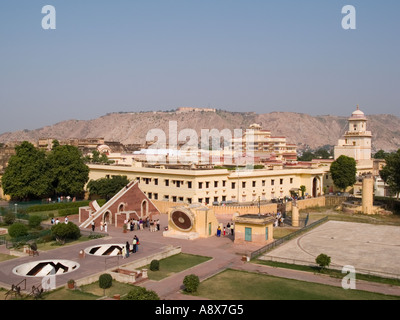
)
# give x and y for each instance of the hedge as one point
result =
(191, 283)
(61, 206)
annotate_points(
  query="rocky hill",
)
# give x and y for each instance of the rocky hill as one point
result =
(300, 129)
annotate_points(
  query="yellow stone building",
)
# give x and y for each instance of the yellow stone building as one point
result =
(218, 185)
(254, 229)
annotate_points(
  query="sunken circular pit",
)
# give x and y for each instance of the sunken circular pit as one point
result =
(105, 250)
(46, 268)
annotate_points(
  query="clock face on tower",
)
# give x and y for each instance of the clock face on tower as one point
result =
(182, 220)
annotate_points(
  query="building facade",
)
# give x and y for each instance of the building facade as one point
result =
(264, 146)
(217, 185)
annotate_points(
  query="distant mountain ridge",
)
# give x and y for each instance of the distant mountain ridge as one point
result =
(300, 129)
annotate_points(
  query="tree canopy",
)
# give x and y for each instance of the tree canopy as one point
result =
(390, 173)
(381, 154)
(68, 170)
(27, 174)
(343, 171)
(98, 158)
(107, 187)
(321, 153)
(33, 174)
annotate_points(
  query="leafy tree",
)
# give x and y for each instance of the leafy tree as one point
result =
(155, 265)
(106, 188)
(381, 154)
(68, 170)
(105, 281)
(140, 293)
(98, 158)
(321, 153)
(307, 156)
(191, 283)
(390, 173)
(17, 229)
(9, 218)
(65, 231)
(27, 174)
(95, 156)
(35, 221)
(55, 144)
(303, 190)
(343, 171)
(323, 260)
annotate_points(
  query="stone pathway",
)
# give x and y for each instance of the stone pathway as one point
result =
(222, 251)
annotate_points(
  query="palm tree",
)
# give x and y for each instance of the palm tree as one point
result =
(303, 190)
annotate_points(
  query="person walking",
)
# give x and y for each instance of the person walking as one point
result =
(232, 228)
(134, 244)
(105, 227)
(218, 231)
(128, 248)
(101, 225)
(93, 226)
(224, 232)
(123, 252)
(137, 244)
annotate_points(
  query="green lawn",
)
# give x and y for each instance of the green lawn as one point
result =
(281, 232)
(175, 264)
(67, 294)
(5, 257)
(330, 272)
(241, 285)
(89, 292)
(116, 288)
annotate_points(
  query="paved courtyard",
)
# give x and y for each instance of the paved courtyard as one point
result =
(361, 245)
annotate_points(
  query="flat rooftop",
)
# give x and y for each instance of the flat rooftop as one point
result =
(261, 219)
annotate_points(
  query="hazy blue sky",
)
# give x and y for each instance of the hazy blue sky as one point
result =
(237, 55)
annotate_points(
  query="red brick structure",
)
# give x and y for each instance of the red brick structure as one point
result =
(129, 203)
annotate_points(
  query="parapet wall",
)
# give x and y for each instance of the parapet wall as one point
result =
(164, 206)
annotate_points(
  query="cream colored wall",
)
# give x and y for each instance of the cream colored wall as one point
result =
(257, 233)
(291, 178)
(202, 220)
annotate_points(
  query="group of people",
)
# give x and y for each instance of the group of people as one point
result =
(61, 199)
(103, 226)
(127, 248)
(132, 224)
(56, 221)
(229, 229)
(141, 224)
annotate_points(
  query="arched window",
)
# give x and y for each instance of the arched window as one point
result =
(144, 208)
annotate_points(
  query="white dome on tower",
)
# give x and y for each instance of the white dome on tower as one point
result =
(358, 114)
